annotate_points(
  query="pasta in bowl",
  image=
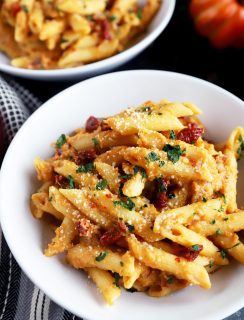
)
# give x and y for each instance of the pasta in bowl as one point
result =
(28, 238)
(143, 201)
(47, 39)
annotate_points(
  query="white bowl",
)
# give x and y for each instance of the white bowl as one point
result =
(157, 25)
(102, 96)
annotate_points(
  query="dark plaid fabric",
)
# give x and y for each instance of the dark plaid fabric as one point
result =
(20, 299)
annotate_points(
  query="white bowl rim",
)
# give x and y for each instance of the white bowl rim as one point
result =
(220, 314)
(98, 65)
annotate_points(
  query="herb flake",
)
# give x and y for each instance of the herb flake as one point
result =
(101, 185)
(117, 277)
(196, 247)
(173, 152)
(101, 256)
(130, 227)
(171, 280)
(129, 204)
(24, 8)
(85, 167)
(241, 146)
(61, 141)
(71, 182)
(218, 232)
(95, 142)
(172, 135)
(152, 156)
(139, 13)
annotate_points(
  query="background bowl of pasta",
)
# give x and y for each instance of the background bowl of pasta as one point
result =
(68, 39)
(28, 238)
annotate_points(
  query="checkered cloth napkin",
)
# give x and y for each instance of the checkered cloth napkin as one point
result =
(20, 299)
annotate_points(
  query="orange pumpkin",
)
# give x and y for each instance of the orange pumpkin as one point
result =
(222, 21)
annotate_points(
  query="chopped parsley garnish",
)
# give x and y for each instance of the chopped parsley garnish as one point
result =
(194, 213)
(63, 40)
(226, 219)
(24, 8)
(141, 170)
(196, 247)
(129, 204)
(85, 168)
(121, 263)
(223, 253)
(61, 141)
(204, 199)
(173, 152)
(95, 142)
(101, 256)
(218, 232)
(170, 280)
(139, 14)
(71, 182)
(171, 195)
(211, 263)
(161, 185)
(213, 221)
(172, 135)
(241, 146)
(112, 18)
(152, 156)
(116, 279)
(161, 163)
(146, 109)
(130, 227)
(126, 176)
(121, 190)
(131, 290)
(221, 209)
(101, 185)
(220, 194)
(50, 199)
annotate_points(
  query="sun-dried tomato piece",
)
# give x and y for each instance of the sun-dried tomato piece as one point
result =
(60, 181)
(161, 200)
(92, 124)
(114, 234)
(191, 253)
(104, 26)
(110, 236)
(190, 134)
(89, 154)
(15, 8)
(85, 228)
(81, 157)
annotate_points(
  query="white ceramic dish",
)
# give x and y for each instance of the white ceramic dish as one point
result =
(26, 236)
(157, 25)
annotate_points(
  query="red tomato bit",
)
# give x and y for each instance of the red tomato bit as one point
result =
(161, 200)
(190, 134)
(114, 234)
(191, 253)
(92, 124)
(60, 181)
(15, 8)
